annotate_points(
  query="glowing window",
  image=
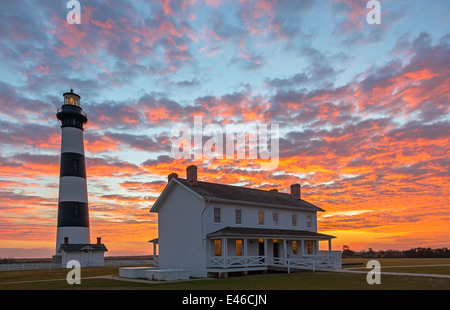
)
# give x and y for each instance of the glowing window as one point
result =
(294, 247)
(218, 247)
(261, 217)
(238, 247)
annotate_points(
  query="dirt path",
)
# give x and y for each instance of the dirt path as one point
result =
(392, 273)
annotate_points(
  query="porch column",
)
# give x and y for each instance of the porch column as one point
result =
(225, 250)
(245, 252)
(329, 246)
(302, 246)
(265, 251)
(284, 250)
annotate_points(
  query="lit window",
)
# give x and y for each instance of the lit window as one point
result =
(294, 247)
(238, 247)
(216, 215)
(71, 100)
(261, 217)
(218, 247)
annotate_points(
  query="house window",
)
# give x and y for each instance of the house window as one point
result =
(238, 247)
(294, 247)
(275, 218)
(308, 221)
(309, 246)
(238, 216)
(216, 215)
(261, 217)
(218, 247)
(76, 165)
(294, 220)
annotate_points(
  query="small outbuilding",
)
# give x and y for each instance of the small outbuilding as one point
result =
(88, 255)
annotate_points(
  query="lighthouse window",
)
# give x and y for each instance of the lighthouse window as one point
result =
(76, 165)
(77, 209)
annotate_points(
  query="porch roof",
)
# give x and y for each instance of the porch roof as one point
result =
(268, 233)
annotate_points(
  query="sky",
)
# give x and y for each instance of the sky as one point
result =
(363, 112)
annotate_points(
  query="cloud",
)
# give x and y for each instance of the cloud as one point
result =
(368, 141)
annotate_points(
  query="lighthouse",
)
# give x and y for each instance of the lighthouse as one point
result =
(73, 233)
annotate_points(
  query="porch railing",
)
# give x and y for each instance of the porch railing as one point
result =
(311, 262)
(237, 261)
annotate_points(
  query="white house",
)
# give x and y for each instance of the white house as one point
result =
(212, 229)
(87, 254)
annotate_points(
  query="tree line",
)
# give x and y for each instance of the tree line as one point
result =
(411, 253)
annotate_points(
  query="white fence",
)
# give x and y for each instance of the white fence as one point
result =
(28, 266)
(42, 266)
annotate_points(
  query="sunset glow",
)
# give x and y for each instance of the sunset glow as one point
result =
(363, 112)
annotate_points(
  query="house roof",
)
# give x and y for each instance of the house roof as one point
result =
(268, 232)
(230, 193)
(82, 247)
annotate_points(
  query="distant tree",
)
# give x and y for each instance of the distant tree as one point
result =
(7, 260)
(346, 252)
(427, 253)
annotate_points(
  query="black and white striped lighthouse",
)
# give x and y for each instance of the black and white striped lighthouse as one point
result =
(73, 210)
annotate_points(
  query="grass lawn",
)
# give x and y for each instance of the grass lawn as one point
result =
(404, 265)
(305, 280)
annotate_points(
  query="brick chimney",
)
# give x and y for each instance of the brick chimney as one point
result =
(99, 240)
(171, 176)
(66, 240)
(295, 190)
(191, 175)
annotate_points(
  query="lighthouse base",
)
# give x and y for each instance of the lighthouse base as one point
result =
(73, 235)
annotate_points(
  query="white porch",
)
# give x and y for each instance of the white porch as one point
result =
(230, 253)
